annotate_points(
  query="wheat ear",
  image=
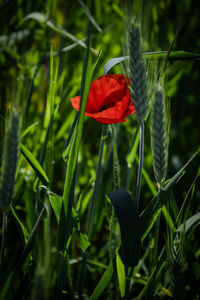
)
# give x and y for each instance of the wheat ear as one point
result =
(159, 137)
(9, 161)
(138, 80)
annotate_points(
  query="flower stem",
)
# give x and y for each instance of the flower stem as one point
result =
(4, 231)
(92, 212)
(141, 154)
(116, 184)
(116, 167)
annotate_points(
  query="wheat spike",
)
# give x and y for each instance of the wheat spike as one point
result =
(9, 161)
(159, 137)
(138, 89)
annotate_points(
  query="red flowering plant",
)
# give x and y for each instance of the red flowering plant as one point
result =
(108, 100)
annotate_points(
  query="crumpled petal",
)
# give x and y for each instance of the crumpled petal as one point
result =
(108, 100)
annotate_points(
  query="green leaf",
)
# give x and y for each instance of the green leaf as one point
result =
(121, 275)
(21, 225)
(159, 55)
(89, 16)
(147, 216)
(56, 204)
(153, 220)
(43, 19)
(174, 55)
(103, 283)
(129, 226)
(113, 62)
(29, 243)
(84, 242)
(34, 164)
(70, 139)
(28, 129)
(190, 223)
(133, 151)
(87, 73)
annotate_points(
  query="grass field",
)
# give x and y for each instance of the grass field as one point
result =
(99, 150)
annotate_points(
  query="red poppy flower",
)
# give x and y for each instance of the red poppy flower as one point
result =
(108, 100)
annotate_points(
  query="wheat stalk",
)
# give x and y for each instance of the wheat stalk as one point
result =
(176, 266)
(159, 137)
(9, 162)
(138, 80)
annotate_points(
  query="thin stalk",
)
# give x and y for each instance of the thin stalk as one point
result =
(93, 203)
(116, 184)
(116, 168)
(141, 154)
(128, 282)
(4, 231)
(92, 211)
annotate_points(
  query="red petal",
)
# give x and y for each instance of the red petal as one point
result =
(76, 102)
(104, 90)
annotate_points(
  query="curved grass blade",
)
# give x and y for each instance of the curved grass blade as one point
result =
(155, 271)
(129, 225)
(29, 244)
(113, 62)
(148, 214)
(190, 223)
(158, 55)
(89, 16)
(28, 129)
(43, 19)
(174, 55)
(21, 225)
(34, 164)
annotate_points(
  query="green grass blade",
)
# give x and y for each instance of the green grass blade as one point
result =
(157, 202)
(159, 55)
(121, 275)
(21, 225)
(88, 70)
(129, 226)
(89, 16)
(190, 223)
(84, 242)
(10, 159)
(29, 243)
(174, 55)
(34, 164)
(28, 99)
(113, 62)
(133, 150)
(37, 16)
(103, 283)
(70, 139)
(29, 129)
(56, 204)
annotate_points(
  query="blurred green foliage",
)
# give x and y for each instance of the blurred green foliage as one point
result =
(25, 44)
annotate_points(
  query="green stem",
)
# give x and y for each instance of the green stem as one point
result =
(116, 167)
(92, 210)
(141, 154)
(93, 203)
(4, 231)
(116, 183)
